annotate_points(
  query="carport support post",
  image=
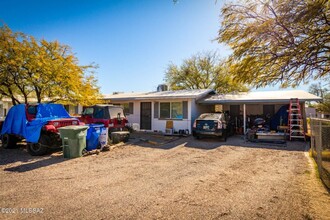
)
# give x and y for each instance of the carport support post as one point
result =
(244, 118)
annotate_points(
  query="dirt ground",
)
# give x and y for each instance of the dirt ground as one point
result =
(157, 177)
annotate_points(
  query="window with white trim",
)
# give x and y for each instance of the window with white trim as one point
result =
(170, 110)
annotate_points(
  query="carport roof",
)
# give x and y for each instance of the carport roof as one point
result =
(178, 94)
(260, 97)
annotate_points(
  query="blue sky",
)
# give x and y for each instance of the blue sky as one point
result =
(132, 41)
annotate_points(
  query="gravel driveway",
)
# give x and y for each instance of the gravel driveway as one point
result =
(165, 178)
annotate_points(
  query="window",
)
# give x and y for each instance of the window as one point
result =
(98, 113)
(172, 110)
(32, 109)
(116, 112)
(88, 111)
(71, 109)
(176, 110)
(128, 107)
(165, 110)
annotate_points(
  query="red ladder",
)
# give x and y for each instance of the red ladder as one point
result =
(296, 122)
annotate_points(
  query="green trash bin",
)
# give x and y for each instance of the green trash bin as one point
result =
(73, 140)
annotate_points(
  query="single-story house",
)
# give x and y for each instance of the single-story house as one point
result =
(152, 110)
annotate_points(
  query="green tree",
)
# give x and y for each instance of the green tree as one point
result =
(282, 41)
(47, 71)
(202, 71)
(11, 58)
(321, 89)
(324, 106)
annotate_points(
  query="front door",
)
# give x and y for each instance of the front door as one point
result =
(145, 117)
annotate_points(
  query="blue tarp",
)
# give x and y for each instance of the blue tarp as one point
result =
(281, 116)
(16, 122)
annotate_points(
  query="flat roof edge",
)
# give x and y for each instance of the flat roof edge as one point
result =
(148, 98)
(253, 101)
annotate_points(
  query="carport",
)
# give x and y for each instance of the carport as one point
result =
(243, 108)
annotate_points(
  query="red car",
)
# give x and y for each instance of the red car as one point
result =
(111, 116)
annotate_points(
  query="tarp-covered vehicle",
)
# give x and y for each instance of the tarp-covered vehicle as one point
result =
(37, 124)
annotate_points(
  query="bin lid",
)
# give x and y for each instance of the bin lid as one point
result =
(72, 131)
(96, 125)
(74, 127)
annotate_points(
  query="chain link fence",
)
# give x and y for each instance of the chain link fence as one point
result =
(320, 146)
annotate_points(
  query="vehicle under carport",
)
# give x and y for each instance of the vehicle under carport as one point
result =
(244, 108)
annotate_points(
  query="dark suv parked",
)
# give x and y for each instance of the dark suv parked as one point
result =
(210, 124)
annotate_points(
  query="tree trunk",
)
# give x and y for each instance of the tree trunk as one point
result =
(25, 99)
(38, 98)
(14, 100)
(38, 94)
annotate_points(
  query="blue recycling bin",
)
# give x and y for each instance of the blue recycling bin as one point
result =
(92, 137)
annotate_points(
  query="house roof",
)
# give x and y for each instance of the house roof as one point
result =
(178, 94)
(260, 97)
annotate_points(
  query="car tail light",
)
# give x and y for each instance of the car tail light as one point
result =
(50, 128)
(194, 125)
(219, 124)
(75, 122)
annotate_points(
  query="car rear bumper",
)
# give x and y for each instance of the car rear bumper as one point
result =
(217, 133)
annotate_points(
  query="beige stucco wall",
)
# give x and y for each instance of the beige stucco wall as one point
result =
(156, 123)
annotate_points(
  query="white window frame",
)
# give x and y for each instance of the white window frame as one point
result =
(171, 103)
